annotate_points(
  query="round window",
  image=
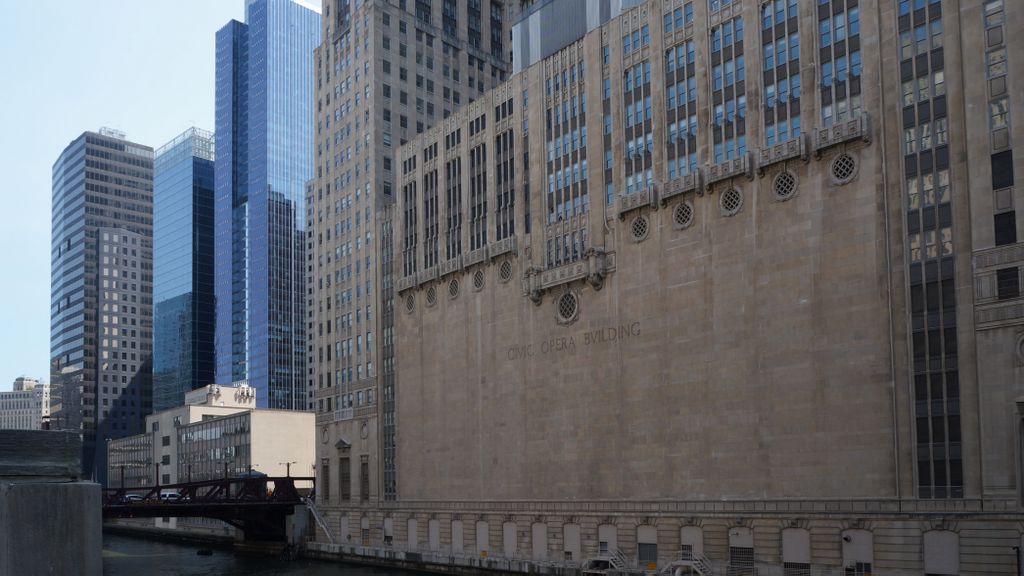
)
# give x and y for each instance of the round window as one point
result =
(453, 288)
(784, 186)
(844, 168)
(410, 303)
(567, 307)
(640, 227)
(682, 216)
(431, 296)
(505, 272)
(731, 202)
(478, 280)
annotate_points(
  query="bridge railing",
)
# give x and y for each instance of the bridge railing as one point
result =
(282, 489)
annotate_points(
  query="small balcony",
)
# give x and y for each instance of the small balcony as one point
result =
(685, 183)
(636, 200)
(793, 148)
(739, 166)
(475, 256)
(451, 265)
(405, 283)
(858, 128)
(502, 246)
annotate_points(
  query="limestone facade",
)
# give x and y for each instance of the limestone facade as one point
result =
(633, 310)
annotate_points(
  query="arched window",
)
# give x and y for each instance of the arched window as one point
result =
(607, 539)
(741, 548)
(457, 537)
(796, 552)
(647, 547)
(571, 534)
(858, 552)
(691, 542)
(343, 535)
(482, 537)
(434, 534)
(412, 534)
(539, 541)
(941, 553)
(508, 539)
(389, 531)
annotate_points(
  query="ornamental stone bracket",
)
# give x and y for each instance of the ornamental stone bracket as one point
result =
(475, 257)
(593, 268)
(428, 275)
(500, 247)
(451, 265)
(629, 202)
(686, 183)
(404, 283)
(792, 148)
(740, 166)
(858, 128)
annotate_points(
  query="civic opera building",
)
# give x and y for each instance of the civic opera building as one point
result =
(731, 285)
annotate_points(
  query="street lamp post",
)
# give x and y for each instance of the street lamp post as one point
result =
(287, 467)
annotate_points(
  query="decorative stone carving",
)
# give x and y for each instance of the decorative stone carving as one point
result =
(637, 200)
(475, 257)
(858, 128)
(792, 148)
(686, 183)
(451, 265)
(405, 283)
(739, 166)
(500, 247)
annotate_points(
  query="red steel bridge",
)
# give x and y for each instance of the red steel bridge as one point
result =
(256, 505)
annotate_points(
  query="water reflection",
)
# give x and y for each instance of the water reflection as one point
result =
(123, 556)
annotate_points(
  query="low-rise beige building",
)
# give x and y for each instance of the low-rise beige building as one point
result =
(219, 431)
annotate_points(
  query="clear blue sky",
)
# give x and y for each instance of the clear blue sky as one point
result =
(145, 67)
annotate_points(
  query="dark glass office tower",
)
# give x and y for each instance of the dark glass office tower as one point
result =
(264, 134)
(183, 356)
(101, 291)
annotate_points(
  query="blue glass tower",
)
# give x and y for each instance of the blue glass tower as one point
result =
(264, 156)
(183, 355)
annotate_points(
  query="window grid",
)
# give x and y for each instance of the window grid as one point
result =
(478, 197)
(566, 201)
(431, 229)
(930, 246)
(681, 110)
(780, 55)
(840, 60)
(504, 149)
(728, 91)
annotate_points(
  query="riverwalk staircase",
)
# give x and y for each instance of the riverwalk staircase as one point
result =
(318, 517)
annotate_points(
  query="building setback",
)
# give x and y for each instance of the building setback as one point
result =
(386, 71)
(729, 284)
(264, 111)
(26, 406)
(183, 321)
(101, 291)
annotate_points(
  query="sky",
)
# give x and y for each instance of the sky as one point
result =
(145, 67)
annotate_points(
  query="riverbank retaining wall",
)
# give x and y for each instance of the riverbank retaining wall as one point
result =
(49, 520)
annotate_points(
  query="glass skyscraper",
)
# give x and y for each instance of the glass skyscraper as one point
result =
(264, 156)
(101, 289)
(183, 320)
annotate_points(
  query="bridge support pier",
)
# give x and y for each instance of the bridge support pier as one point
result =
(49, 521)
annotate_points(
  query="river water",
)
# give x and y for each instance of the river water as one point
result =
(123, 556)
